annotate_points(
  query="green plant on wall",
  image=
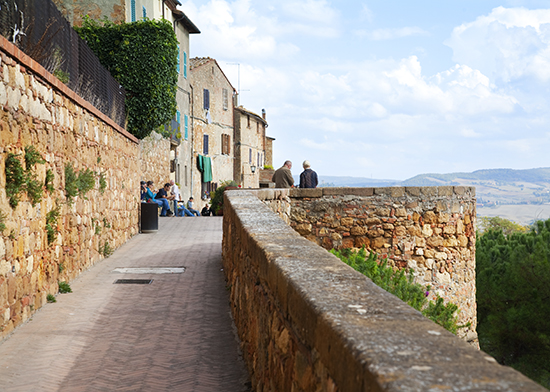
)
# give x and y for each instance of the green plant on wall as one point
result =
(106, 249)
(2, 223)
(102, 183)
(85, 182)
(49, 181)
(142, 56)
(15, 179)
(71, 183)
(20, 180)
(51, 224)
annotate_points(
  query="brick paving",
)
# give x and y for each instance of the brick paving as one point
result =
(175, 334)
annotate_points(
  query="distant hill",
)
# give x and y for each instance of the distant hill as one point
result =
(502, 175)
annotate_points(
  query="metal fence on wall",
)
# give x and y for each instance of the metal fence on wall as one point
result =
(39, 29)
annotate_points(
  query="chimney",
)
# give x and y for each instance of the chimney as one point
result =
(263, 114)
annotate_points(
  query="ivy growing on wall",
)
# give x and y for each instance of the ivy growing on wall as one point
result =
(142, 57)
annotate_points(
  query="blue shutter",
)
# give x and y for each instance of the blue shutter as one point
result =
(205, 145)
(144, 12)
(178, 116)
(133, 10)
(206, 96)
(178, 63)
(186, 119)
(185, 65)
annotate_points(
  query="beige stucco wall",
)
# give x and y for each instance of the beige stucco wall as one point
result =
(208, 75)
(250, 149)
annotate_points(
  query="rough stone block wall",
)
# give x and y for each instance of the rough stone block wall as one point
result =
(428, 229)
(308, 322)
(38, 110)
(154, 159)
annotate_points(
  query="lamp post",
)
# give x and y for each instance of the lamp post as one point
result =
(253, 169)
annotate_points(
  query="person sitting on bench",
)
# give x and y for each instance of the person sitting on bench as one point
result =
(190, 207)
(162, 202)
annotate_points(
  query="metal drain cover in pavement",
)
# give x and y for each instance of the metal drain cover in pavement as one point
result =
(150, 270)
(133, 281)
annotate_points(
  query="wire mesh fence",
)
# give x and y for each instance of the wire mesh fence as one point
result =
(39, 29)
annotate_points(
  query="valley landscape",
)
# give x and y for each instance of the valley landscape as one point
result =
(522, 196)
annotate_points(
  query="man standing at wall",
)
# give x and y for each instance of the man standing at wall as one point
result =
(308, 178)
(283, 176)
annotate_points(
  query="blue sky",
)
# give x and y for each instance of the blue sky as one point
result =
(389, 89)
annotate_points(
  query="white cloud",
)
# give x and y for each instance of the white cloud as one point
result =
(506, 45)
(388, 34)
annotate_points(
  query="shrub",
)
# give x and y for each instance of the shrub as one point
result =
(64, 288)
(401, 284)
(217, 197)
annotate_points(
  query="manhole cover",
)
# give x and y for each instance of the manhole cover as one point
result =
(150, 270)
(133, 281)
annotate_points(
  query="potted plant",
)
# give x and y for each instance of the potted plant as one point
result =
(217, 197)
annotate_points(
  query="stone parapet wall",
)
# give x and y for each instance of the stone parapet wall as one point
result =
(428, 229)
(308, 322)
(38, 110)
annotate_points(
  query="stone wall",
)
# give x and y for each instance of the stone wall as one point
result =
(428, 229)
(38, 110)
(154, 159)
(308, 322)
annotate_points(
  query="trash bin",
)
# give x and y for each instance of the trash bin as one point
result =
(149, 217)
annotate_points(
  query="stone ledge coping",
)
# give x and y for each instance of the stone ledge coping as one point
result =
(26, 61)
(396, 191)
(368, 339)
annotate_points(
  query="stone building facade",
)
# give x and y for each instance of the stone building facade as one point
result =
(212, 122)
(250, 148)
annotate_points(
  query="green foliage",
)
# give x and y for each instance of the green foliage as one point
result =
(61, 267)
(19, 179)
(401, 284)
(217, 197)
(268, 167)
(106, 249)
(102, 183)
(142, 57)
(513, 299)
(486, 223)
(15, 179)
(51, 298)
(71, 183)
(51, 224)
(49, 181)
(2, 224)
(106, 224)
(85, 181)
(61, 75)
(65, 288)
(77, 184)
(97, 229)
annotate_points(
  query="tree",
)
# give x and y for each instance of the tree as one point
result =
(513, 299)
(508, 227)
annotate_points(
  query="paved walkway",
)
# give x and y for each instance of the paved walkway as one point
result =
(175, 334)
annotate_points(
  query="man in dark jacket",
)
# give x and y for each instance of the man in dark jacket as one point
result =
(283, 176)
(308, 178)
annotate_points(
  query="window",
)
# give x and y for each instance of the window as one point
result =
(258, 161)
(144, 12)
(248, 121)
(205, 145)
(249, 155)
(186, 126)
(206, 99)
(178, 63)
(133, 10)
(225, 99)
(226, 144)
(185, 65)
(257, 127)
